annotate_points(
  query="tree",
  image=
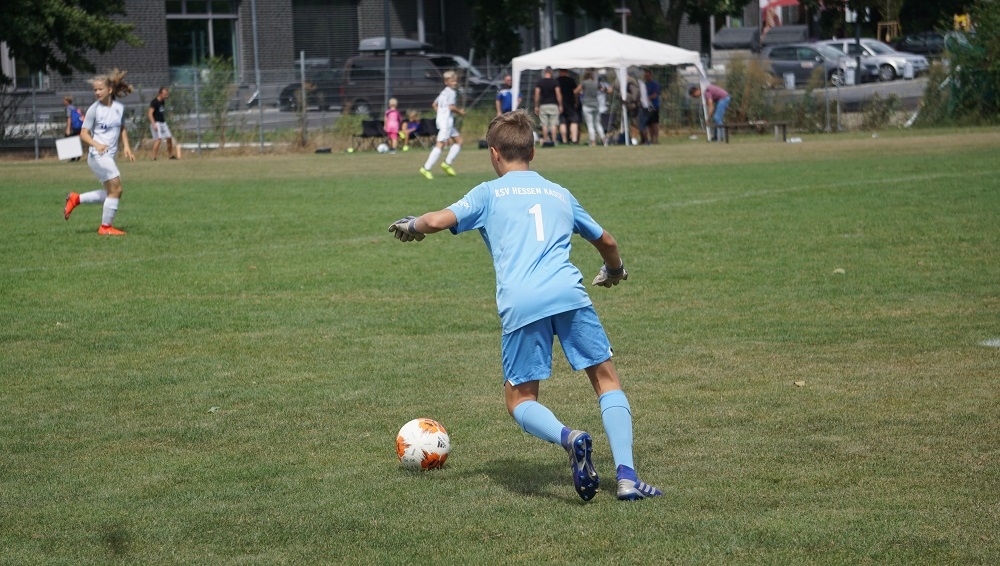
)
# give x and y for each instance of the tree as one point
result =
(920, 15)
(651, 21)
(701, 11)
(57, 34)
(975, 69)
(495, 26)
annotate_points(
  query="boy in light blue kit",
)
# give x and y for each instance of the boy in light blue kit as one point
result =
(445, 105)
(527, 223)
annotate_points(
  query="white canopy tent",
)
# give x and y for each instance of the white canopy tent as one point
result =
(605, 48)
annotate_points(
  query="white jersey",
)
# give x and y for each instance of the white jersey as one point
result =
(105, 125)
(444, 102)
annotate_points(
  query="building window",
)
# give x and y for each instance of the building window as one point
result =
(198, 30)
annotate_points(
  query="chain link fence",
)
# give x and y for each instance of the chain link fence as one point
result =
(314, 105)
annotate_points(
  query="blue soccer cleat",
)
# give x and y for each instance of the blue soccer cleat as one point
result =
(631, 488)
(585, 478)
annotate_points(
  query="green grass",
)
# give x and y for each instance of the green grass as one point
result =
(224, 384)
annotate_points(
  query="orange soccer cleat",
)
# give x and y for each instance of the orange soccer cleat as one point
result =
(72, 200)
(109, 231)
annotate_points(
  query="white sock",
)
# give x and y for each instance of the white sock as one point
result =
(93, 197)
(452, 154)
(432, 159)
(110, 209)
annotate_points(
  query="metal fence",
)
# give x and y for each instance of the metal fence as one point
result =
(206, 114)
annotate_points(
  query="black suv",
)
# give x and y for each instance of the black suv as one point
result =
(322, 89)
(416, 82)
(922, 43)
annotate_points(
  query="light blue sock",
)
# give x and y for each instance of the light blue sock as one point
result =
(617, 416)
(537, 420)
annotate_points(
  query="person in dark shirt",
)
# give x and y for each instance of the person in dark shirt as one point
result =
(548, 106)
(651, 128)
(158, 123)
(569, 118)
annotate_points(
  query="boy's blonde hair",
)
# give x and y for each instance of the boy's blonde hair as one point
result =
(513, 136)
(393, 102)
(450, 75)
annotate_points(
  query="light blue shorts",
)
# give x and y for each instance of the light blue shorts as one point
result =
(527, 351)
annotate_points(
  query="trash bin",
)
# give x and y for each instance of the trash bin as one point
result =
(908, 70)
(849, 76)
(790, 81)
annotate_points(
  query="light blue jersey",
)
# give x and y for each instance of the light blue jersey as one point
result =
(527, 223)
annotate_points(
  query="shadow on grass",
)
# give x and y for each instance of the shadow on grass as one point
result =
(530, 478)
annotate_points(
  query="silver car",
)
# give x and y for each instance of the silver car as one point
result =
(801, 59)
(891, 63)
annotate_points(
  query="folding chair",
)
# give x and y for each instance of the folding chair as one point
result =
(372, 134)
(427, 132)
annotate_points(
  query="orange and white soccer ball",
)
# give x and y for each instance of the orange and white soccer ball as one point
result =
(422, 444)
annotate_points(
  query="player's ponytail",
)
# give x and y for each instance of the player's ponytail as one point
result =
(115, 80)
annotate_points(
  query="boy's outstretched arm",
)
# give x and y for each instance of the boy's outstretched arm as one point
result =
(613, 269)
(415, 228)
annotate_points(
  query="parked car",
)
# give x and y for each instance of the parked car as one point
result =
(322, 89)
(922, 43)
(801, 59)
(891, 63)
(415, 82)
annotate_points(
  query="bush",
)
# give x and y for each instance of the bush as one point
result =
(934, 105)
(806, 113)
(747, 84)
(216, 94)
(878, 112)
(970, 92)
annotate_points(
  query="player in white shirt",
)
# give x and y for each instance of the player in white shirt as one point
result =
(527, 223)
(103, 127)
(445, 105)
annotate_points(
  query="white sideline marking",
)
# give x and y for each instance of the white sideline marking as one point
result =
(991, 343)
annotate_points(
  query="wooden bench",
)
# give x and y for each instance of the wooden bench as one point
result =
(780, 129)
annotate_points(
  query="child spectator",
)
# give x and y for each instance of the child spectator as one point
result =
(410, 128)
(393, 120)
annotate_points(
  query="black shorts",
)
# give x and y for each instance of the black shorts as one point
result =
(569, 116)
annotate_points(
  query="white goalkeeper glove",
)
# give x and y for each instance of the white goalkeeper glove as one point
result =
(608, 277)
(404, 229)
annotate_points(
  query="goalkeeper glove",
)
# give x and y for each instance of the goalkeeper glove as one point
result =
(404, 229)
(608, 277)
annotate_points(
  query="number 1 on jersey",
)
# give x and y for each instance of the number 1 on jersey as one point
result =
(536, 211)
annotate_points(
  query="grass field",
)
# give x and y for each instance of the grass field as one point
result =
(223, 385)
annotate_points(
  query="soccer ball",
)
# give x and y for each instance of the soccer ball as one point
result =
(422, 444)
(382, 148)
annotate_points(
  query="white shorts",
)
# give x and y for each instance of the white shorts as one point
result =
(447, 131)
(160, 131)
(103, 166)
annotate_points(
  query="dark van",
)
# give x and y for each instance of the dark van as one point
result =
(415, 83)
